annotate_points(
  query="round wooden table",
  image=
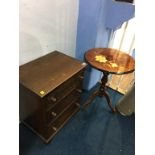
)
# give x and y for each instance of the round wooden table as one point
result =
(108, 61)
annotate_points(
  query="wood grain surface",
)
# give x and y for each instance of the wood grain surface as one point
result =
(125, 63)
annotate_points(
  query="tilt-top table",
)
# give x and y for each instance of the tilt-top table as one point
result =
(108, 61)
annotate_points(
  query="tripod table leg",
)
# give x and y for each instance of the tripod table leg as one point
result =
(90, 99)
(102, 91)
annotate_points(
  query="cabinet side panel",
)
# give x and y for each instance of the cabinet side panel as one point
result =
(31, 110)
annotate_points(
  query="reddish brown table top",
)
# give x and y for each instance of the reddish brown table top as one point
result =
(123, 62)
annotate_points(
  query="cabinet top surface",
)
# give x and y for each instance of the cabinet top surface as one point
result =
(44, 74)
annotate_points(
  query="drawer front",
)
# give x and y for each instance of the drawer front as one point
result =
(62, 91)
(55, 126)
(60, 107)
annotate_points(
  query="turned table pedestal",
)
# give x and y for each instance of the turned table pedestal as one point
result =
(108, 61)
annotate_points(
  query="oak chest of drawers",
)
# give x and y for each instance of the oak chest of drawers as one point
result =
(49, 92)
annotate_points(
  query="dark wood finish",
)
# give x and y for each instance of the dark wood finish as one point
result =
(48, 72)
(31, 109)
(125, 64)
(61, 106)
(102, 91)
(50, 90)
(128, 1)
(60, 122)
(66, 88)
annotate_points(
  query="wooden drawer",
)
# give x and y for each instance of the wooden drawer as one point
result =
(48, 97)
(55, 126)
(63, 90)
(60, 107)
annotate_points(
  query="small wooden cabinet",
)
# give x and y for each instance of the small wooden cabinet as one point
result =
(50, 90)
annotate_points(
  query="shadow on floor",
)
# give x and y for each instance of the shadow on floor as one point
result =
(95, 131)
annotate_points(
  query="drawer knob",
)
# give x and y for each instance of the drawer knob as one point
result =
(53, 113)
(54, 128)
(79, 90)
(84, 64)
(53, 99)
(77, 104)
(81, 77)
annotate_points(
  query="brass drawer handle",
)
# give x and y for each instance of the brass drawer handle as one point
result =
(53, 99)
(81, 77)
(53, 113)
(54, 128)
(83, 64)
(79, 90)
(77, 104)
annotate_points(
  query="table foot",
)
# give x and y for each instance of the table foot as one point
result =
(90, 99)
(101, 92)
(106, 95)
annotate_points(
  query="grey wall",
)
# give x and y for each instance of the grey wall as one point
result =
(45, 26)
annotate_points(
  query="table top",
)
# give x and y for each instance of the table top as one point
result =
(110, 60)
(46, 73)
